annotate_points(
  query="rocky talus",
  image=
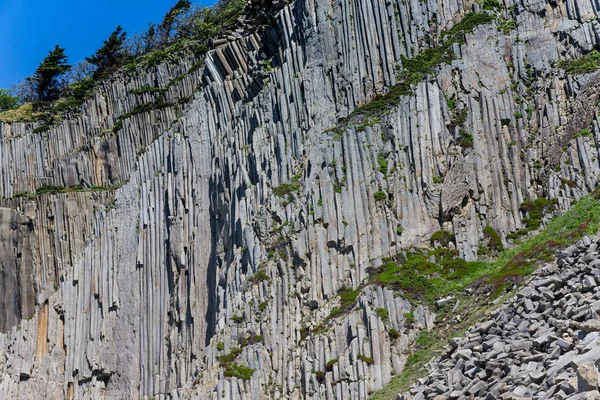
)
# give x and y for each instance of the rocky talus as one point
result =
(231, 199)
(543, 344)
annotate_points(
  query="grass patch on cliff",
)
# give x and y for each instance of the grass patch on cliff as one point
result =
(348, 298)
(422, 275)
(426, 274)
(566, 229)
(141, 109)
(57, 189)
(233, 369)
(239, 371)
(415, 69)
(288, 187)
(24, 113)
(585, 64)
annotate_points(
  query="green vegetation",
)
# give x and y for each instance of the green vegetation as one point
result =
(383, 164)
(22, 113)
(382, 313)
(424, 275)
(460, 117)
(583, 65)
(111, 56)
(237, 318)
(506, 25)
(465, 138)
(494, 242)
(164, 31)
(279, 247)
(232, 369)
(51, 189)
(50, 93)
(338, 186)
(330, 364)
(185, 28)
(426, 339)
(443, 237)
(263, 305)
(55, 189)
(57, 89)
(414, 70)
(289, 187)
(230, 357)
(220, 346)
(347, 301)
(585, 132)
(380, 196)
(451, 104)
(286, 188)
(25, 195)
(425, 346)
(239, 371)
(538, 165)
(45, 80)
(250, 340)
(421, 279)
(320, 375)
(535, 210)
(259, 276)
(141, 109)
(491, 5)
(365, 359)
(147, 89)
(570, 183)
(510, 267)
(441, 273)
(7, 101)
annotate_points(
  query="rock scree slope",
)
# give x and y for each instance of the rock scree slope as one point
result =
(543, 344)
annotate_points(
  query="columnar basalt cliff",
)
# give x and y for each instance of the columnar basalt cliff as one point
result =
(232, 206)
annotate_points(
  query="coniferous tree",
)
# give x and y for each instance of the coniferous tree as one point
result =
(166, 26)
(111, 56)
(150, 38)
(46, 79)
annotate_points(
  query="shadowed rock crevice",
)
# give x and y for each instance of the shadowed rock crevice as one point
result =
(17, 288)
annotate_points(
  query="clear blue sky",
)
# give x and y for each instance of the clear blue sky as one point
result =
(29, 29)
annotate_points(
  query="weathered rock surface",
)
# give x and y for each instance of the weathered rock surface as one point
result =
(136, 292)
(544, 344)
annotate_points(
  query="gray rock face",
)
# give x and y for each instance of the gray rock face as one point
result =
(244, 206)
(531, 353)
(17, 299)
